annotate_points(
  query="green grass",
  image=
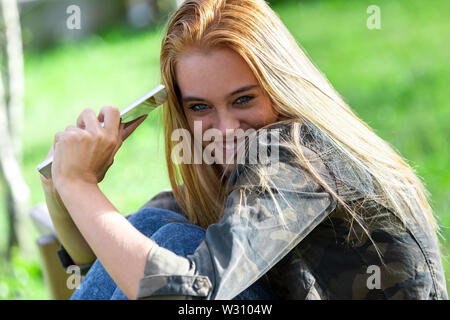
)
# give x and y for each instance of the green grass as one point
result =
(396, 79)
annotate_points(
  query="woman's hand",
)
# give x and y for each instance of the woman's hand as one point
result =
(47, 184)
(84, 153)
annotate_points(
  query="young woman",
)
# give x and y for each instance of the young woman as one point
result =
(336, 214)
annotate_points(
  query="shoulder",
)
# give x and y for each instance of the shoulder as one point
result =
(283, 158)
(302, 144)
(348, 176)
(291, 172)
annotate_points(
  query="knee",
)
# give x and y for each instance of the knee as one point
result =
(180, 238)
(149, 220)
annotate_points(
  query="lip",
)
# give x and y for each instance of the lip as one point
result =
(228, 146)
(231, 147)
(230, 150)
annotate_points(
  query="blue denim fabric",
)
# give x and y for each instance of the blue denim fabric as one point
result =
(169, 230)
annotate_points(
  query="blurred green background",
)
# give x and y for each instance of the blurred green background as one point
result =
(395, 78)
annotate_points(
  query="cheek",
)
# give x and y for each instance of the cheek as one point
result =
(270, 114)
(200, 124)
(190, 122)
(261, 115)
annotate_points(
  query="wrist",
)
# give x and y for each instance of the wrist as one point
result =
(47, 185)
(74, 193)
(73, 186)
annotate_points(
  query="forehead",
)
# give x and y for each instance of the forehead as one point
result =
(207, 72)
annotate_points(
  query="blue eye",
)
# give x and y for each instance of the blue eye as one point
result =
(201, 107)
(198, 107)
(244, 100)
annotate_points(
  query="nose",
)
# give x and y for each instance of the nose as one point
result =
(226, 120)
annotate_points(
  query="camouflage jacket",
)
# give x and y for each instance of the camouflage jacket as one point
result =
(301, 253)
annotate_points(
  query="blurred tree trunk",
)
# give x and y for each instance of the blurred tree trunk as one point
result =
(17, 193)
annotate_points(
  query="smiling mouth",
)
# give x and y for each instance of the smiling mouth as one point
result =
(230, 146)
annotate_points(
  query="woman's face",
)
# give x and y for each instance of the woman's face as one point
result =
(219, 91)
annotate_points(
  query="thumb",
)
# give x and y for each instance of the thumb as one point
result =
(50, 152)
(128, 128)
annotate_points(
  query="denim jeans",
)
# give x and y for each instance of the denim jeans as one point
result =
(178, 236)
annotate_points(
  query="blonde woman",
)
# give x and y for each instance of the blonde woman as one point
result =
(335, 213)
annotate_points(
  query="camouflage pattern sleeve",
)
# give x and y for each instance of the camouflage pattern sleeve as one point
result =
(259, 227)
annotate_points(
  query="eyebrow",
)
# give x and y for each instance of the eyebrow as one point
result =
(242, 89)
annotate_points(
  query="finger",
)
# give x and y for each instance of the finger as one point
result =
(69, 133)
(88, 121)
(128, 128)
(111, 120)
(71, 128)
(50, 152)
(80, 122)
(58, 137)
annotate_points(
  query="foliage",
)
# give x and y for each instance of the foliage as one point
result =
(22, 278)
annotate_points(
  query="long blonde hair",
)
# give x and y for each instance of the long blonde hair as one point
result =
(297, 89)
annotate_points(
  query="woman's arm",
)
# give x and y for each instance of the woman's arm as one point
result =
(68, 233)
(120, 247)
(82, 156)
